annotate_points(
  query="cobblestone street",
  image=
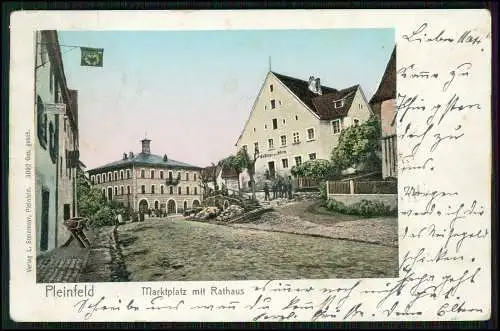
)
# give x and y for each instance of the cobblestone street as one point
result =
(288, 243)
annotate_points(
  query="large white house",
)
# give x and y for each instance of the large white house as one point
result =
(294, 120)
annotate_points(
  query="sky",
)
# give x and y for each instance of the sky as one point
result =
(191, 92)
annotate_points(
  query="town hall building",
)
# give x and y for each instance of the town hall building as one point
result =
(293, 121)
(148, 181)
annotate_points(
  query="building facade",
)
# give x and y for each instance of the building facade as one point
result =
(383, 103)
(56, 147)
(293, 121)
(148, 181)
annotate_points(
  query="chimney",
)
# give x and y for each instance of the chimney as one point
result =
(165, 158)
(131, 155)
(318, 86)
(312, 84)
(146, 146)
(124, 156)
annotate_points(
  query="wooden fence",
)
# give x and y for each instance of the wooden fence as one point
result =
(362, 187)
(336, 187)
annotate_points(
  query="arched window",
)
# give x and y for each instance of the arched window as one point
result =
(128, 173)
(121, 174)
(161, 174)
(116, 190)
(152, 189)
(116, 175)
(143, 173)
(122, 191)
(109, 177)
(98, 179)
(128, 189)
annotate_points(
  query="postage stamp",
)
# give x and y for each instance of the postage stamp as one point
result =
(261, 165)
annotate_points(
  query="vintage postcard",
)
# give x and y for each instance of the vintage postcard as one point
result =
(266, 165)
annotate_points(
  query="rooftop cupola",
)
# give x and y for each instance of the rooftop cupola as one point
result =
(146, 146)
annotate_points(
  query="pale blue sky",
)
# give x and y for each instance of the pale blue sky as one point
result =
(192, 91)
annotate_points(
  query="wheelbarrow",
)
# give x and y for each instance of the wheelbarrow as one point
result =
(76, 226)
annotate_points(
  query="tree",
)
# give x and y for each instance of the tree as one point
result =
(235, 163)
(358, 145)
(248, 162)
(92, 203)
(209, 175)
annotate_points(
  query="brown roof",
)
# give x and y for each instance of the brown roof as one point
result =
(387, 88)
(210, 171)
(320, 104)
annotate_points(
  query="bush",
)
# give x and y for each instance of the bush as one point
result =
(103, 217)
(362, 208)
(322, 191)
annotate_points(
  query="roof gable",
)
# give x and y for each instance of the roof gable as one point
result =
(387, 87)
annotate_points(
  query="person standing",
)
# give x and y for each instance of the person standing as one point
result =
(266, 192)
(290, 189)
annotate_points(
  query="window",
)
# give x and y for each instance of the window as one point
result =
(170, 175)
(355, 121)
(152, 189)
(194, 177)
(256, 147)
(122, 190)
(283, 140)
(360, 106)
(310, 134)
(143, 189)
(187, 190)
(195, 191)
(271, 87)
(275, 123)
(103, 178)
(273, 104)
(92, 179)
(254, 130)
(109, 176)
(143, 173)
(98, 179)
(284, 121)
(171, 189)
(116, 175)
(67, 211)
(284, 162)
(179, 175)
(336, 126)
(121, 174)
(152, 174)
(116, 190)
(161, 174)
(41, 123)
(162, 189)
(270, 143)
(338, 103)
(187, 175)
(312, 156)
(179, 190)
(265, 126)
(296, 138)
(298, 160)
(128, 174)
(128, 189)
(244, 147)
(296, 118)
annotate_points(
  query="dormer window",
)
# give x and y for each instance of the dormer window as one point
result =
(273, 104)
(338, 103)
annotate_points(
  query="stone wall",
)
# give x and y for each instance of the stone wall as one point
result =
(349, 199)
